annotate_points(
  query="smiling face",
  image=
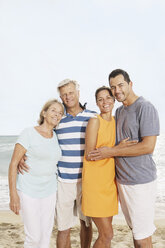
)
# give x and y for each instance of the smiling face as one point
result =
(54, 114)
(120, 88)
(105, 101)
(69, 95)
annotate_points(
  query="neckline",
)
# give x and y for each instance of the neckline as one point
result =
(42, 135)
(133, 104)
(67, 114)
(105, 119)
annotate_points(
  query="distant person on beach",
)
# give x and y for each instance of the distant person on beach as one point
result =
(135, 168)
(71, 137)
(33, 194)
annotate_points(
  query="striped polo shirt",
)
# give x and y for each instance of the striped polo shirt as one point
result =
(71, 137)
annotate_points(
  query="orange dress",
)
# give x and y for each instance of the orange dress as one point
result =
(99, 191)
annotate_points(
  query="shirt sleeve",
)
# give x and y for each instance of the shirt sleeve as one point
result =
(23, 138)
(149, 121)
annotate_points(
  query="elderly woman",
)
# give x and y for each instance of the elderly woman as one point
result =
(33, 194)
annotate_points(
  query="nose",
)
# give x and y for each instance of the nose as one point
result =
(66, 96)
(56, 113)
(117, 89)
(104, 101)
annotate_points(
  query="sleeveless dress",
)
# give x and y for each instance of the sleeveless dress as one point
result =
(99, 191)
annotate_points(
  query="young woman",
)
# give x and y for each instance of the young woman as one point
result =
(99, 191)
(34, 193)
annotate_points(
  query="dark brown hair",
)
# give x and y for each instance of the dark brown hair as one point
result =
(117, 72)
(103, 88)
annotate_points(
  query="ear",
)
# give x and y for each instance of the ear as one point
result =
(62, 101)
(44, 114)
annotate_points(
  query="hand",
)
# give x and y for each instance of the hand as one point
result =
(15, 203)
(22, 166)
(126, 142)
(100, 153)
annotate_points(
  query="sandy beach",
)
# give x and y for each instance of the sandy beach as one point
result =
(12, 234)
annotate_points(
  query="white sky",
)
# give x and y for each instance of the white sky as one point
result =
(43, 42)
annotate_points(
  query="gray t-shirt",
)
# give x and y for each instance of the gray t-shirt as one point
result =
(136, 121)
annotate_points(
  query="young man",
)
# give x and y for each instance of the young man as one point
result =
(136, 119)
(71, 136)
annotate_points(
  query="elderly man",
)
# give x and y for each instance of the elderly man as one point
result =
(71, 136)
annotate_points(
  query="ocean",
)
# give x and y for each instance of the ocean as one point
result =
(7, 146)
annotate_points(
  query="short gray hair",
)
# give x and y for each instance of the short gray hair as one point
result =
(67, 81)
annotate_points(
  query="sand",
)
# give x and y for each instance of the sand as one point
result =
(12, 234)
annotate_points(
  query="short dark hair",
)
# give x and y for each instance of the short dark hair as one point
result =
(103, 88)
(117, 72)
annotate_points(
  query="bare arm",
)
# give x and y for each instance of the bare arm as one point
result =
(18, 153)
(22, 166)
(91, 136)
(146, 146)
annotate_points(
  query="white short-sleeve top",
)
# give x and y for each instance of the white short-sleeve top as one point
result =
(42, 157)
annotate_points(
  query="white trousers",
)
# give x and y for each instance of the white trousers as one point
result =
(38, 218)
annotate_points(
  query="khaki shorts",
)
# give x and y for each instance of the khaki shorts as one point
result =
(68, 205)
(138, 206)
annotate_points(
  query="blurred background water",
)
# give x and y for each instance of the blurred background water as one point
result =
(7, 146)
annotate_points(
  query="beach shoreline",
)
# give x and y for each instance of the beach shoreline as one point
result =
(12, 234)
(7, 216)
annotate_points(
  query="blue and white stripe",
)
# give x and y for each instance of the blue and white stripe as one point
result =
(71, 137)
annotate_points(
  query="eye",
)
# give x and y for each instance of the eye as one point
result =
(110, 98)
(71, 93)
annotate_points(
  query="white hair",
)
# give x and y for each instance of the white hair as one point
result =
(67, 81)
